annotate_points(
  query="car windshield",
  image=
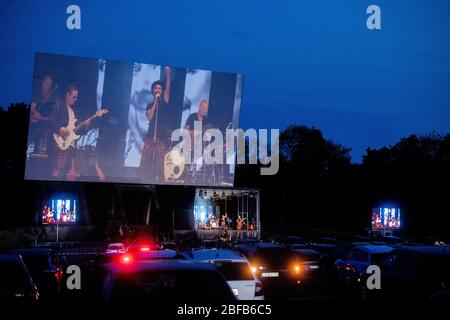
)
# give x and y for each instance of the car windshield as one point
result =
(234, 271)
(170, 284)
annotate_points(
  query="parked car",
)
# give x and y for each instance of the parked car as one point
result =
(414, 273)
(288, 240)
(148, 251)
(156, 254)
(322, 248)
(45, 268)
(117, 247)
(352, 268)
(169, 245)
(273, 264)
(164, 280)
(308, 259)
(327, 260)
(16, 283)
(236, 269)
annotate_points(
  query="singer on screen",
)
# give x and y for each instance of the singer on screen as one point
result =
(157, 139)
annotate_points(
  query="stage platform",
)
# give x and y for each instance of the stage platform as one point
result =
(214, 234)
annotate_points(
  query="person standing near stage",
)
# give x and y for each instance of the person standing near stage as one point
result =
(239, 222)
(223, 220)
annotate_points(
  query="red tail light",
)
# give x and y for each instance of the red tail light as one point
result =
(126, 259)
(258, 290)
(59, 274)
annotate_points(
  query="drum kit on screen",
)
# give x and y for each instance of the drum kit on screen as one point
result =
(176, 170)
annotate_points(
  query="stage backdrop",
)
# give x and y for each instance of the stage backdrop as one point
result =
(133, 108)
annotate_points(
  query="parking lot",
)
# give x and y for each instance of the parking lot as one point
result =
(253, 270)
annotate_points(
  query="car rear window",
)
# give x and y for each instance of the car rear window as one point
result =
(308, 256)
(234, 271)
(13, 273)
(36, 262)
(171, 284)
(274, 256)
(379, 258)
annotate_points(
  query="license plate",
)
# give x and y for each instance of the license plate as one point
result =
(314, 267)
(235, 292)
(269, 274)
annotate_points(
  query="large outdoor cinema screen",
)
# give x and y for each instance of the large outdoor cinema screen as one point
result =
(113, 121)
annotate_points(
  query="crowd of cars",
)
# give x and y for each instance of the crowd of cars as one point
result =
(213, 270)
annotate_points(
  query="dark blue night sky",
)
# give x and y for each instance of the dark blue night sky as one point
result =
(305, 62)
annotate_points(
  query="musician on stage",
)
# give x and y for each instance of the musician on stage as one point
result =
(200, 116)
(47, 215)
(158, 135)
(252, 225)
(62, 115)
(213, 222)
(240, 222)
(41, 106)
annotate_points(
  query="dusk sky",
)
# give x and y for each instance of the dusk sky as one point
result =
(305, 62)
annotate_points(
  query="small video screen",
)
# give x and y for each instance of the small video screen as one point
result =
(60, 211)
(385, 218)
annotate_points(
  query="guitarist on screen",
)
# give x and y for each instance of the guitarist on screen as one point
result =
(66, 131)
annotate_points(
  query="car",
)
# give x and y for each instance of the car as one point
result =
(211, 243)
(142, 247)
(296, 246)
(117, 247)
(392, 240)
(273, 264)
(308, 259)
(414, 274)
(45, 268)
(288, 240)
(148, 251)
(164, 280)
(327, 260)
(321, 248)
(16, 283)
(351, 269)
(236, 269)
(169, 245)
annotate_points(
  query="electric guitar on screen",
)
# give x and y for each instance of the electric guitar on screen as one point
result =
(65, 142)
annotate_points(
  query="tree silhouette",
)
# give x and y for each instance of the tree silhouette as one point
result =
(316, 186)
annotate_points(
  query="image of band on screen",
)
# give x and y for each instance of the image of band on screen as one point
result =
(102, 120)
